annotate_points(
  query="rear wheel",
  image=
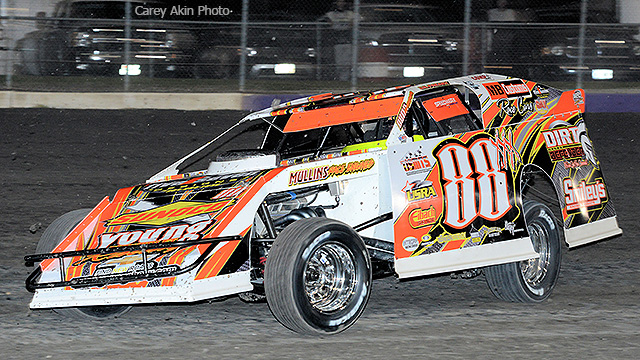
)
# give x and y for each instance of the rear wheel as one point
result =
(51, 237)
(531, 280)
(318, 276)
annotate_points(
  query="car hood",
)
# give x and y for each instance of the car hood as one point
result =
(189, 208)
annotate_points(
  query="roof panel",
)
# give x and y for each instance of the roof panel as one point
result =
(343, 114)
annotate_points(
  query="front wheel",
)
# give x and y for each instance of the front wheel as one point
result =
(52, 236)
(318, 276)
(531, 280)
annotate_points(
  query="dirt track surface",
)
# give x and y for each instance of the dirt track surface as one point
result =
(54, 161)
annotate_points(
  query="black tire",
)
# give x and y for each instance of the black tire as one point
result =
(51, 237)
(531, 280)
(318, 276)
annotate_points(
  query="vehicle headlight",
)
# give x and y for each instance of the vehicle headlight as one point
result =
(310, 52)
(170, 40)
(249, 51)
(80, 38)
(174, 39)
(553, 50)
(451, 45)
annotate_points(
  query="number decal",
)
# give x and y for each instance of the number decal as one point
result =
(462, 183)
(459, 189)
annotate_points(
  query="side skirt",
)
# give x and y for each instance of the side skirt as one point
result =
(598, 230)
(469, 258)
(186, 292)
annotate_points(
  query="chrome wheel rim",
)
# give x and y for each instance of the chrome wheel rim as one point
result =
(535, 270)
(330, 278)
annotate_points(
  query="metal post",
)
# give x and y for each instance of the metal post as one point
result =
(354, 45)
(467, 37)
(484, 45)
(127, 42)
(581, 41)
(10, 50)
(243, 44)
(318, 50)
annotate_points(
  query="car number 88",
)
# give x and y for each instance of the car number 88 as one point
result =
(462, 183)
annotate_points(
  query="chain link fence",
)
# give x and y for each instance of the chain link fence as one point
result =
(93, 45)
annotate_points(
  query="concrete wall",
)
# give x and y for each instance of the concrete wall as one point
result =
(629, 11)
(596, 102)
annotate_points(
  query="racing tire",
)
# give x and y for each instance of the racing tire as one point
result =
(51, 237)
(531, 281)
(317, 276)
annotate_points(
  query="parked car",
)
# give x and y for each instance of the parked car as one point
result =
(324, 193)
(610, 52)
(552, 51)
(88, 37)
(398, 41)
(272, 51)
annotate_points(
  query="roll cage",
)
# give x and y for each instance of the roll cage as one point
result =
(341, 138)
(326, 125)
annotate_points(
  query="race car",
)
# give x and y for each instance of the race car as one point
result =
(477, 174)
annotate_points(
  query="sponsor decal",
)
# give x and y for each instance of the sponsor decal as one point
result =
(419, 217)
(574, 152)
(578, 99)
(520, 106)
(182, 232)
(204, 183)
(507, 89)
(540, 92)
(433, 86)
(542, 107)
(414, 163)
(563, 143)
(480, 77)
(583, 195)
(422, 190)
(477, 237)
(410, 244)
(324, 172)
(169, 213)
(445, 102)
(510, 227)
(132, 265)
(573, 164)
(515, 88)
(309, 175)
(403, 110)
(449, 241)
(562, 136)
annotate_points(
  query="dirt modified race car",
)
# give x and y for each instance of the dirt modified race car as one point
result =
(478, 173)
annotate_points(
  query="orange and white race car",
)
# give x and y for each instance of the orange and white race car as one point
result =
(477, 173)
